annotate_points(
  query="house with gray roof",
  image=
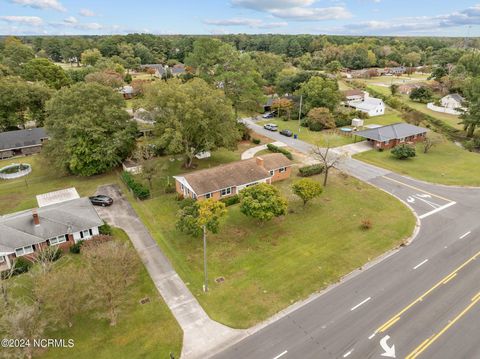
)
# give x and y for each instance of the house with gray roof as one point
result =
(389, 136)
(22, 142)
(59, 224)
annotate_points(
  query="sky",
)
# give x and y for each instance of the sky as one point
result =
(347, 17)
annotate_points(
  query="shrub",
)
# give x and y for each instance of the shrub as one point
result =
(169, 188)
(22, 265)
(366, 224)
(308, 171)
(230, 201)
(75, 249)
(105, 229)
(276, 149)
(139, 190)
(49, 254)
(404, 151)
(256, 141)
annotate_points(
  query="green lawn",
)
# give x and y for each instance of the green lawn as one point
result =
(19, 194)
(446, 163)
(143, 331)
(317, 138)
(273, 265)
(391, 116)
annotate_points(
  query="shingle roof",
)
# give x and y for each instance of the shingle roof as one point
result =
(457, 97)
(370, 103)
(235, 173)
(391, 132)
(18, 229)
(353, 92)
(22, 138)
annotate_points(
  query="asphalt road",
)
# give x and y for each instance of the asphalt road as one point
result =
(424, 300)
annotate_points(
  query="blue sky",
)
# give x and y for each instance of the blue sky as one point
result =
(355, 17)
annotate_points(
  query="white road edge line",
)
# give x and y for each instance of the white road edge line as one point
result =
(281, 354)
(359, 304)
(466, 234)
(347, 353)
(437, 210)
(371, 336)
(420, 264)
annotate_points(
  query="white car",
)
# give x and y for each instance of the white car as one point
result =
(271, 127)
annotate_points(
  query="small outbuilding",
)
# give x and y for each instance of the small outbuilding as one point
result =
(392, 135)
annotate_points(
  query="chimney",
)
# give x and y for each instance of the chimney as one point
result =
(259, 161)
(36, 219)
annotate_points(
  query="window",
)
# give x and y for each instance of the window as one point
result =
(226, 191)
(86, 233)
(181, 186)
(252, 184)
(208, 195)
(57, 240)
(23, 251)
(272, 172)
(2, 259)
(283, 169)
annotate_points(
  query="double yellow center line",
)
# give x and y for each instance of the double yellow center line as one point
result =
(426, 343)
(444, 280)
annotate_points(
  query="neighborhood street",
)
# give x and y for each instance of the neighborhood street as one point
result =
(421, 301)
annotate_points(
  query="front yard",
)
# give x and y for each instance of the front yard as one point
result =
(268, 267)
(446, 163)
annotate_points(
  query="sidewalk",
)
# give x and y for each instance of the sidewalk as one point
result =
(200, 333)
(251, 151)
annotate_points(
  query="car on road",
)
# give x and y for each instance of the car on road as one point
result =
(101, 200)
(271, 127)
(269, 114)
(287, 133)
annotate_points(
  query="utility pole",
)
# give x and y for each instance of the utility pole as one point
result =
(300, 113)
(205, 285)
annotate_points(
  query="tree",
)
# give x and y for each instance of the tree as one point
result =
(394, 89)
(263, 202)
(15, 54)
(334, 66)
(307, 189)
(44, 70)
(320, 92)
(319, 118)
(403, 151)
(106, 78)
(89, 128)
(430, 141)
(91, 57)
(283, 104)
(438, 73)
(269, 65)
(412, 59)
(327, 159)
(191, 117)
(111, 268)
(471, 117)
(421, 94)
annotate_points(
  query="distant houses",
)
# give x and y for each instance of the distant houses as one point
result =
(162, 71)
(22, 142)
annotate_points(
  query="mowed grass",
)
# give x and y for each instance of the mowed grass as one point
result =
(269, 266)
(333, 137)
(445, 163)
(391, 116)
(19, 194)
(143, 330)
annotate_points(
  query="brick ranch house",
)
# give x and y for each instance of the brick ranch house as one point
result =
(22, 142)
(24, 234)
(229, 179)
(389, 136)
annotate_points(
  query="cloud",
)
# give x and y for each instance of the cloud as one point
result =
(26, 20)
(254, 23)
(297, 10)
(87, 13)
(71, 20)
(41, 4)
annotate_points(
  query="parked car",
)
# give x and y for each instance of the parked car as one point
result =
(270, 114)
(271, 127)
(287, 133)
(101, 200)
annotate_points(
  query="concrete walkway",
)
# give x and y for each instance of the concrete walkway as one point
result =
(352, 148)
(251, 151)
(200, 333)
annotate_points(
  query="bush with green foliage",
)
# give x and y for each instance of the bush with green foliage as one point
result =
(105, 229)
(22, 265)
(276, 149)
(256, 141)
(76, 248)
(307, 189)
(139, 190)
(230, 201)
(421, 94)
(262, 201)
(311, 170)
(403, 151)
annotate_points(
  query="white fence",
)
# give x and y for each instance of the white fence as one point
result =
(450, 111)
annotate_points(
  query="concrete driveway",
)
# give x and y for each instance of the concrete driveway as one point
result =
(200, 333)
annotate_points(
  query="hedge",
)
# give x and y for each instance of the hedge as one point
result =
(276, 149)
(311, 170)
(138, 189)
(230, 201)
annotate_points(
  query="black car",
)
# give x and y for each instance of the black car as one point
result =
(287, 133)
(101, 200)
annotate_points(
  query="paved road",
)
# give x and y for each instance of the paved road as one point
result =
(424, 299)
